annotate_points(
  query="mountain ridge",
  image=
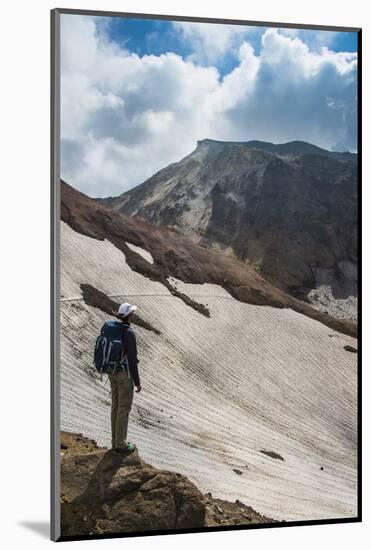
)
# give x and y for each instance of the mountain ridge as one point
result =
(290, 147)
(290, 214)
(306, 148)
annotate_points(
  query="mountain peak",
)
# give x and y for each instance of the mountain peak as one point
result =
(207, 142)
(287, 209)
(296, 147)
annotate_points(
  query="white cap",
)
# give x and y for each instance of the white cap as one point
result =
(126, 309)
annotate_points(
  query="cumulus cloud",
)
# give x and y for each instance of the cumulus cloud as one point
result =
(293, 92)
(313, 38)
(124, 117)
(210, 42)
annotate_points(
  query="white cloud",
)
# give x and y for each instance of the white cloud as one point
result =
(315, 39)
(290, 96)
(210, 42)
(124, 117)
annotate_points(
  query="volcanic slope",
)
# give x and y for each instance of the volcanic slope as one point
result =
(289, 210)
(249, 400)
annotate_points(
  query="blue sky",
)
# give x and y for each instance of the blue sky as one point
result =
(154, 37)
(137, 94)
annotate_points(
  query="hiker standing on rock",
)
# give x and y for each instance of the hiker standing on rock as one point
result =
(115, 354)
(122, 384)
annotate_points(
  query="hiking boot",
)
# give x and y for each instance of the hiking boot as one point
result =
(127, 450)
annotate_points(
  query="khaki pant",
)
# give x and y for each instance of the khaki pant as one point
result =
(122, 389)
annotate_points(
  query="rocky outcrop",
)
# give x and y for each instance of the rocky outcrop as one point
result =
(222, 513)
(105, 493)
(288, 210)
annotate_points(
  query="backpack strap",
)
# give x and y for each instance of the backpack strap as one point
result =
(125, 347)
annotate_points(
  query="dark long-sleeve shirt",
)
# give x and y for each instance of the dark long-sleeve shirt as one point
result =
(132, 354)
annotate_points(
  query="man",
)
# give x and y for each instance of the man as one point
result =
(122, 385)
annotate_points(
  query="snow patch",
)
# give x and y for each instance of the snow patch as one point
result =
(199, 290)
(100, 264)
(219, 389)
(142, 251)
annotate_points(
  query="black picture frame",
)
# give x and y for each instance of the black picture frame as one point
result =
(55, 261)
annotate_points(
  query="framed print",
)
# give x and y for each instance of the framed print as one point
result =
(206, 192)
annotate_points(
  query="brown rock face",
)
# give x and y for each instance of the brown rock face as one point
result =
(221, 512)
(104, 493)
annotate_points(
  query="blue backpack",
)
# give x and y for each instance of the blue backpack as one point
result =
(110, 351)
